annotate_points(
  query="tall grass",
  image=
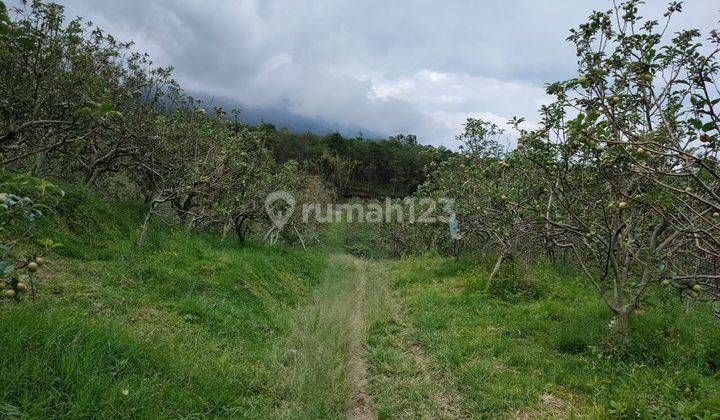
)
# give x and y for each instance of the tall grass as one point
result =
(185, 327)
(318, 358)
(541, 346)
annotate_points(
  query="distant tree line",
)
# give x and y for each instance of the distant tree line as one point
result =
(357, 166)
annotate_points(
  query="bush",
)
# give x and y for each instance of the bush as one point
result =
(516, 284)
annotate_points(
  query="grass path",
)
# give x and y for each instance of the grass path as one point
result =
(361, 408)
(423, 338)
(404, 382)
(351, 353)
(321, 363)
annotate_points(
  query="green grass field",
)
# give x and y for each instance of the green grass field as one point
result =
(540, 347)
(191, 327)
(185, 327)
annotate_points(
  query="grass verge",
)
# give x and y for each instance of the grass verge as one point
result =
(539, 347)
(184, 327)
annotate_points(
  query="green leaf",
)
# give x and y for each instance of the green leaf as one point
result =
(6, 267)
(695, 123)
(49, 243)
(5, 250)
(708, 126)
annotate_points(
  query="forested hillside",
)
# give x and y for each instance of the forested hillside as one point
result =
(360, 167)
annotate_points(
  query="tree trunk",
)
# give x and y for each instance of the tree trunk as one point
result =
(226, 229)
(239, 228)
(520, 258)
(145, 225)
(622, 320)
(90, 177)
(300, 237)
(39, 163)
(183, 206)
(190, 225)
(457, 248)
(496, 269)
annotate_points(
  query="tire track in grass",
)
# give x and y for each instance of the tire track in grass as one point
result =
(362, 409)
(321, 365)
(404, 381)
(443, 401)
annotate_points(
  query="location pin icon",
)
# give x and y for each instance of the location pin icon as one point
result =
(280, 206)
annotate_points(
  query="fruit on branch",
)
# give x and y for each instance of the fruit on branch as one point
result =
(33, 267)
(666, 282)
(697, 288)
(9, 293)
(622, 205)
(716, 215)
(40, 260)
(22, 287)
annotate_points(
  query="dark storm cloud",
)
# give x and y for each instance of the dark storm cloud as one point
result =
(416, 66)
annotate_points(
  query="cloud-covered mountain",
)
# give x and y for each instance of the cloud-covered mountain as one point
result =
(401, 66)
(282, 117)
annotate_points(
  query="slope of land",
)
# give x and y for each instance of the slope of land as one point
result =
(536, 346)
(184, 327)
(189, 326)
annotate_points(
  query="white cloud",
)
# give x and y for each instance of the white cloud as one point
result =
(405, 66)
(450, 99)
(276, 62)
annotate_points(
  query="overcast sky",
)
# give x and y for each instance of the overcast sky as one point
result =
(391, 66)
